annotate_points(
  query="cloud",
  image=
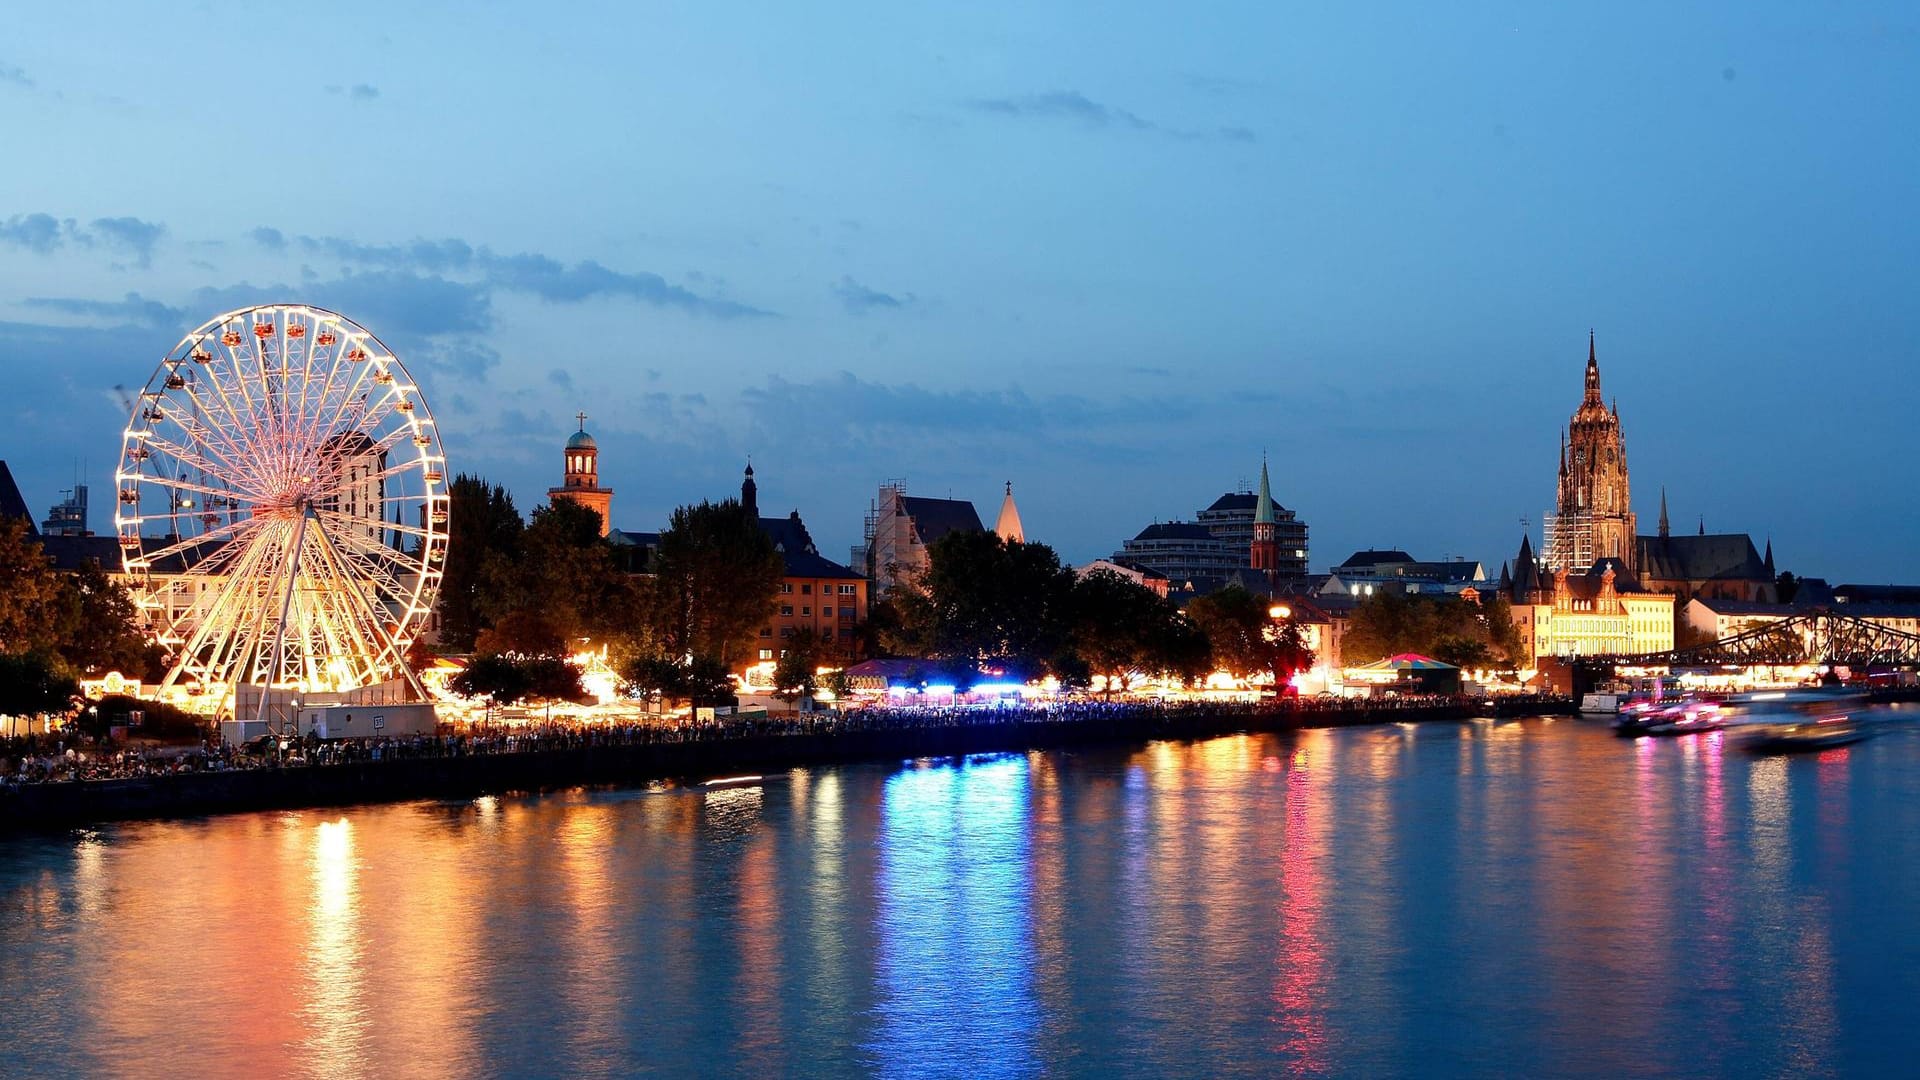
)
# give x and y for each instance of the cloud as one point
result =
(399, 305)
(133, 309)
(551, 280)
(270, 238)
(36, 232)
(435, 256)
(15, 75)
(859, 299)
(42, 233)
(356, 92)
(528, 272)
(1075, 107)
(130, 234)
(561, 378)
(1061, 104)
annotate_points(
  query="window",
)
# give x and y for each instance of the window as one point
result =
(766, 654)
(806, 613)
(766, 631)
(826, 635)
(786, 631)
(847, 590)
(786, 586)
(807, 589)
(787, 610)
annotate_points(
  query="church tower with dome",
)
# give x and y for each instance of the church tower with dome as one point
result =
(581, 481)
(1593, 519)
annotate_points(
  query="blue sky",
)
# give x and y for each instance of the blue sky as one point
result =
(1108, 252)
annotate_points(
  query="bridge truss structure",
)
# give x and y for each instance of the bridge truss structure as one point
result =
(1818, 636)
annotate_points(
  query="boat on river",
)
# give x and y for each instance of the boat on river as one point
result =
(1791, 721)
(1678, 716)
(1823, 734)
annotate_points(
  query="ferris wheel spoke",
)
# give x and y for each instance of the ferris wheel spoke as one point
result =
(375, 559)
(225, 423)
(186, 456)
(367, 611)
(226, 536)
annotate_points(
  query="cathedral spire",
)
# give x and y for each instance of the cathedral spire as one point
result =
(1663, 511)
(1770, 572)
(1593, 374)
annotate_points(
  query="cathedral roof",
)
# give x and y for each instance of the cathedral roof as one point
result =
(1715, 557)
(935, 518)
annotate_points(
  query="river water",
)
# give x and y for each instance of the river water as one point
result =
(1529, 897)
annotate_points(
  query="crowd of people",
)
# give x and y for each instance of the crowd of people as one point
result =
(55, 758)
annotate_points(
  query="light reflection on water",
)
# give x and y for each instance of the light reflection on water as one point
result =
(1493, 898)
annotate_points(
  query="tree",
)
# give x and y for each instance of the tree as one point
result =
(35, 684)
(568, 572)
(1234, 623)
(985, 601)
(1289, 652)
(523, 634)
(701, 681)
(99, 628)
(497, 678)
(1387, 624)
(1119, 627)
(483, 544)
(718, 583)
(794, 674)
(32, 594)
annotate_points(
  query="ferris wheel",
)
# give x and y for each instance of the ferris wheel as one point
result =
(282, 505)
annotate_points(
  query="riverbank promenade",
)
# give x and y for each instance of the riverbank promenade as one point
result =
(51, 785)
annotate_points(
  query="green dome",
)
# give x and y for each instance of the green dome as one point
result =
(580, 440)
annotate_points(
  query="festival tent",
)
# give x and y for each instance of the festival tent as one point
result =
(1412, 671)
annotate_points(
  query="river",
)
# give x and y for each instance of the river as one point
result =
(1495, 898)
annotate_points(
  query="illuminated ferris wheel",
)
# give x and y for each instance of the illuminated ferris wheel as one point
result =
(282, 505)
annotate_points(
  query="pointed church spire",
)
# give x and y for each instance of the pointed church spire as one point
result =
(750, 493)
(1663, 511)
(1593, 373)
(1769, 560)
(1263, 506)
(1703, 524)
(1008, 527)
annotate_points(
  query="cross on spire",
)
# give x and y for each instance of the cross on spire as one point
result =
(582, 417)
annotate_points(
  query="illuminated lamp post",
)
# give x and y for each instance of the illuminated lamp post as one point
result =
(1278, 614)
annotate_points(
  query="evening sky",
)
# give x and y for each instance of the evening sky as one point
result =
(1112, 253)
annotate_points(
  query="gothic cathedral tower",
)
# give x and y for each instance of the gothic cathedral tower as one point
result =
(1594, 518)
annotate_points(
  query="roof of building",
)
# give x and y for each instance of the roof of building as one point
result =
(1746, 607)
(622, 537)
(1235, 500)
(1375, 557)
(12, 505)
(795, 545)
(1713, 557)
(1178, 530)
(580, 440)
(935, 518)
(1876, 594)
(73, 552)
